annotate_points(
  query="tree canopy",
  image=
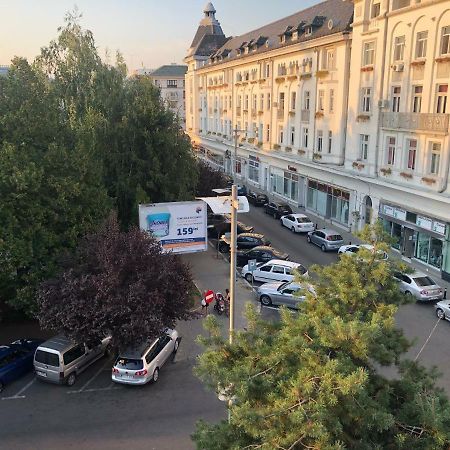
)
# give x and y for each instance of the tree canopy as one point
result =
(77, 139)
(119, 283)
(311, 380)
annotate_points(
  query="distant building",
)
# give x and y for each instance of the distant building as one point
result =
(170, 80)
(144, 71)
(4, 70)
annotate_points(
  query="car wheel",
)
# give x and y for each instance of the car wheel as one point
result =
(71, 379)
(175, 347)
(293, 229)
(275, 215)
(309, 239)
(249, 277)
(281, 222)
(323, 248)
(155, 375)
(265, 300)
(440, 313)
(2, 386)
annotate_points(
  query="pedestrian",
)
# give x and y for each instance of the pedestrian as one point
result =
(227, 301)
(204, 304)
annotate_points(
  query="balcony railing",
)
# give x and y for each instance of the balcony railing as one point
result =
(305, 115)
(415, 121)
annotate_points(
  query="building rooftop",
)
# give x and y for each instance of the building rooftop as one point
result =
(4, 70)
(323, 19)
(170, 70)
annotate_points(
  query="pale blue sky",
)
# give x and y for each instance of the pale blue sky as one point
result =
(149, 33)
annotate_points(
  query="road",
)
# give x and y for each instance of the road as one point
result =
(417, 320)
(97, 414)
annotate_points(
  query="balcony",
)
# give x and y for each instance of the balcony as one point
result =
(305, 114)
(415, 122)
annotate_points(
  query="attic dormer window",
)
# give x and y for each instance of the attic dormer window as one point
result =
(246, 50)
(308, 31)
(295, 35)
(267, 43)
(283, 38)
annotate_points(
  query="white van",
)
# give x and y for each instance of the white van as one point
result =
(274, 270)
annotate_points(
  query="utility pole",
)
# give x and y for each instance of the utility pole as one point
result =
(234, 163)
(234, 208)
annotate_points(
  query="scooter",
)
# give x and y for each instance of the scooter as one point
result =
(219, 305)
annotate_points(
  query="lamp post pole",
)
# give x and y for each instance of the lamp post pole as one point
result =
(234, 208)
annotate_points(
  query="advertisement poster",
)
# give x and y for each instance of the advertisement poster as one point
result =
(180, 227)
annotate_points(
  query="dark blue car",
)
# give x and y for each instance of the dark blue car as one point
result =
(16, 359)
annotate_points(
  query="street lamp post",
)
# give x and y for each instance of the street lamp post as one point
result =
(235, 131)
(234, 208)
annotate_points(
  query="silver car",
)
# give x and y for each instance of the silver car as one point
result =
(420, 286)
(326, 238)
(288, 294)
(142, 364)
(443, 309)
(60, 360)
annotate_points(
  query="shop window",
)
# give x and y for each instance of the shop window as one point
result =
(396, 235)
(429, 250)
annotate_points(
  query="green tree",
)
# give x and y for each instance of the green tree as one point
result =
(311, 380)
(208, 179)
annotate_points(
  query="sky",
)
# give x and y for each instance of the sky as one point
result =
(148, 33)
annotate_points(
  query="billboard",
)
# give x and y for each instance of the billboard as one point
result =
(180, 227)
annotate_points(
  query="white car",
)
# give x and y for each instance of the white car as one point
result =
(142, 364)
(274, 270)
(352, 249)
(297, 223)
(443, 309)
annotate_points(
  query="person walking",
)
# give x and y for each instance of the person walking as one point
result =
(227, 302)
(204, 304)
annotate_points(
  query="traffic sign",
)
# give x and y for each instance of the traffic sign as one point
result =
(209, 296)
(251, 265)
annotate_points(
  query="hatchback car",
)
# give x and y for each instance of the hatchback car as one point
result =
(288, 294)
(274, 270)
(142, 364)
(443, 309)
(16, 359)
(297, 223)
(260, 253)
(353, 249)
(257, 199)
(326, 238)
(244, 241)
(276, 210)
(420, 286)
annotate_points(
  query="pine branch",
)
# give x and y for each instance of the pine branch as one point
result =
(264, 371)
(287, 410)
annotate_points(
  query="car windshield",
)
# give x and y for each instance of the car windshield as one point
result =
(281, 287)
(424, 281)
(129, 363)
(47, 358)
(303, 220)
(334, 237)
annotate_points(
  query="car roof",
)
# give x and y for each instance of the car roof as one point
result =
(329, 231)
(264, 247)
(258, 235)
(283, 262)
(137, 351)
(5, 350)
(59, 343)
(299, 215)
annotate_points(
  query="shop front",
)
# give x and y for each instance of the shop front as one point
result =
(254, 169)
(329, 201)
(285, 183)
(416, 235)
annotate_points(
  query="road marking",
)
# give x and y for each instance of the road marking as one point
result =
(85, 385)
(109, 388)
(18, 395)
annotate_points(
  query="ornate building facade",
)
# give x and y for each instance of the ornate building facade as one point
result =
(341, 109)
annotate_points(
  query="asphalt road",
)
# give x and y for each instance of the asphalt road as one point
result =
(98, 414)
(417, 320)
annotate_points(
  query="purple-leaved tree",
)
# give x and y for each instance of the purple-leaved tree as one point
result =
(119, 283)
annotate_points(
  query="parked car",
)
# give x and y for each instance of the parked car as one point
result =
(142, 364)
(288, 294)
(420, 286)
(16, 359)
(219, 224)
(297, 223)
(257, 199)
(60, 360)
(261, 254)
(274, 270)
(244, 241)
(326, 238)
(353, 249)
(276, 210)
(443, 309)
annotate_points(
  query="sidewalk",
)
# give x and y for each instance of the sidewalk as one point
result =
(211, 271)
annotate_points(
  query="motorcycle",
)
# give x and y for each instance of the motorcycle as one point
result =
(219, 305)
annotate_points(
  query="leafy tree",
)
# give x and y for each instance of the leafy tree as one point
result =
(311, 380)
(119, 283)
(209, 178)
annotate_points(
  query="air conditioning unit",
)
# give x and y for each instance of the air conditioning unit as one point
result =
(398, 67)
(383, 104)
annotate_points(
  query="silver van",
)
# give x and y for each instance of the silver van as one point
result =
(60, 360)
